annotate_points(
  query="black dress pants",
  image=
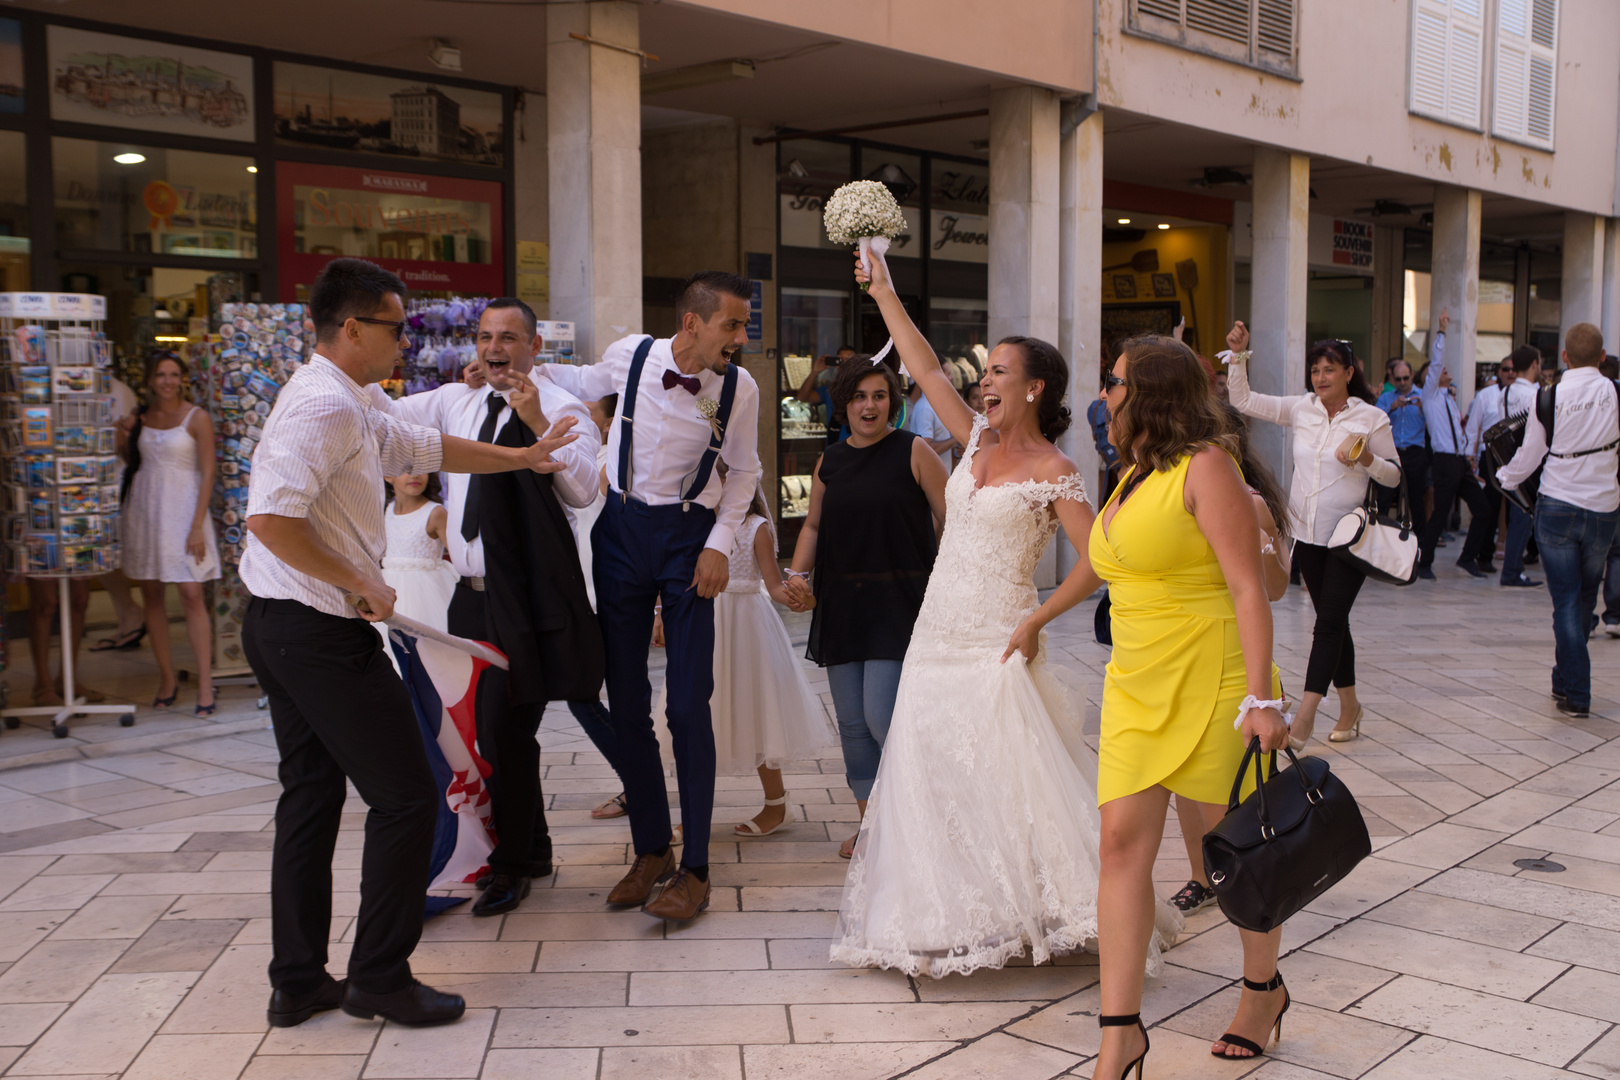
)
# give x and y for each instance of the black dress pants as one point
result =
(339, 710)
(1415, 468)
(1454, 480)
(1333, 585)
(506, 739)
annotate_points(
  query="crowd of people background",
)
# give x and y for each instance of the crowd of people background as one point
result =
(576, 517)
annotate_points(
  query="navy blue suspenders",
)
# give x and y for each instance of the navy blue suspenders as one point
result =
(728, 394)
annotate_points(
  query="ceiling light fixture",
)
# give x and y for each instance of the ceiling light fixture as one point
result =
(129, 159)
(252, 168)
(1124, 221)
(1162, 225)
(444, 55)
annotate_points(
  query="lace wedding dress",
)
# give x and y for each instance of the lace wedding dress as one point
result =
(980, 838)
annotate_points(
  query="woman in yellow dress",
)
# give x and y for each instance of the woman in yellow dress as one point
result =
(1178, 544)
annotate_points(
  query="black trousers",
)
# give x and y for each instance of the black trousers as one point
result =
(1454, 480)
(1333, 585)
(339, 710)
(506, 739)
(1415, 467)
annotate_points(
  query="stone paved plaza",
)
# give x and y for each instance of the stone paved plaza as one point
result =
(134, 906)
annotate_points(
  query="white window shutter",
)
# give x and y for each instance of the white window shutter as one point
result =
(1431, 22)
(1526, 66)
(1465, 63)
(1543, 70)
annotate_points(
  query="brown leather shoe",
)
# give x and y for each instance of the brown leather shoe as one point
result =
(683, 898)
(637, 885)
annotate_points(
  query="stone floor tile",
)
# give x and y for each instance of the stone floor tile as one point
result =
(20, 1025)
(193, 1057)
(817, 898)
(114, 917)
(1481, 779)
(1447, 796)
(58, 970)
(1587, 845)
(1586, 991)
(326, 1067)
(1573, 779)
(767, 987)
(758, 924)
(1177, 1055)
(135, 862)
(21, 931)
(906, 1022)
(1287, 1070)
(1328, 982)
(1579, 817)
(1463, 919)
(225, 906)
(1368, 885)
(641, 1062)
(1429, 1058)
(1603, 1059)
(1584, 945)
(107, 1027)
(1008, 984)
(667, 1026)
(1071, 1023)
(1523, 894)
(822, 874)
(180, 945)
(538, 991)
(578, 1064)
(838, 1061)
(1403, 811)
(229, 998)
(1501, 858)
(252, 882)
(112, 843)
(1443, 959)
(446, 1051)
(1321, 1039)
(997, 1056)
(473, 957)
(66, 774)
(325, 1033)
(1441, 846)
(602, 925)
(1468, 1016)
(1220, 951)
(685, 954)
(47, 893)
(1510, 811)
(801, 953)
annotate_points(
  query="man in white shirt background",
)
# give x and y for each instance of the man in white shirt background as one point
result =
(507, 721)
(665, 534)
(1514, 394)
(340, 713)
(1577, 506)
(1448, 465)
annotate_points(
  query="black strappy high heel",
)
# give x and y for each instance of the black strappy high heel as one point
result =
(1239, 1041)
(1127, 1021)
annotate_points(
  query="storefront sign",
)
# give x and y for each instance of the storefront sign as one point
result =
(756, 317)
(802, 226)
(438, 234)
(962, 237)
(149, 85)
(1352, 243)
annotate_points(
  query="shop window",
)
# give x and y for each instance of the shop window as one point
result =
(1259, 33)
(14, 264)
(123, 197)
(810, 171)
(902, 174)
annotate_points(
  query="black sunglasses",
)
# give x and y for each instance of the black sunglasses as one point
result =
(399, 327)
(1111, 380)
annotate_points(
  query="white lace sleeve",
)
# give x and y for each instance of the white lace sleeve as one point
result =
(1070, 487)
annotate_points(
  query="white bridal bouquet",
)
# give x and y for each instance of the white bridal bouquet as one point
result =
(863, 213)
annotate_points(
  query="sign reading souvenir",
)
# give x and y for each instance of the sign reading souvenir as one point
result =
(1352, 244)
(115, 81)
(439, 234)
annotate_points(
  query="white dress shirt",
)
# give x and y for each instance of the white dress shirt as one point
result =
(1323, 491)
(670, 435)
(1440, 411)
(323, 456)
(1585, 418)
(1488, 409)
(457, 409)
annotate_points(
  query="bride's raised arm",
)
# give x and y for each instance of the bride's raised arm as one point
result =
(915, 352)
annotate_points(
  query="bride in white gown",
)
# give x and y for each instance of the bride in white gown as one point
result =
(981, 836)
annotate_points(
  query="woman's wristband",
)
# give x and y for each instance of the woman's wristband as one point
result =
(1251, 702)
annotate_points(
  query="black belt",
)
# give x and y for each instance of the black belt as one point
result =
(476, 584)
(1584, 453)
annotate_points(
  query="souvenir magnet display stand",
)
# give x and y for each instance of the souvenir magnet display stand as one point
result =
(257, 349)
(62, 471)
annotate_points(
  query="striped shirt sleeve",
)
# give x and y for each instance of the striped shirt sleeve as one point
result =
(295, 459)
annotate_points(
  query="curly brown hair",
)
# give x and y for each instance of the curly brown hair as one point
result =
(850, 374)
(1170, 410)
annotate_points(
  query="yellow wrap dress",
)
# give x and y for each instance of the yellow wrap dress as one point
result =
(1172, 687)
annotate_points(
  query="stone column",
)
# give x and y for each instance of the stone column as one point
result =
(1389, 293)
(1582, 287)
(1454, 282)
(1080, 291)
(1611, 287)
(1024, 214)
(593, 156)
(1282, 185)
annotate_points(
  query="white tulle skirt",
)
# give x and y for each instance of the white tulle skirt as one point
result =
(763, 708)
(422, 591)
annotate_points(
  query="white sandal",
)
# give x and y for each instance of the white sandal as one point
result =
(748, 828)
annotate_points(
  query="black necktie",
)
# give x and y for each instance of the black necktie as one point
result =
(469, 509)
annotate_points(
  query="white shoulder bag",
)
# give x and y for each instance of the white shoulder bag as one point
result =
(1383, 550)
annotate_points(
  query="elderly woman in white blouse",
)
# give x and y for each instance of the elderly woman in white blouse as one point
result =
(1328, 483)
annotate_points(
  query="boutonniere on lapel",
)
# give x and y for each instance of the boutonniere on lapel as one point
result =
(709, 409)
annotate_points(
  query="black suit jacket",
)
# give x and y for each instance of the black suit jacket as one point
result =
(539, 612)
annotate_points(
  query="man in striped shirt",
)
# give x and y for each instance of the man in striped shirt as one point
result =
(316, 538)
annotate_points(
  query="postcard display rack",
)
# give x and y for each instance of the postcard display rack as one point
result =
(61, 472)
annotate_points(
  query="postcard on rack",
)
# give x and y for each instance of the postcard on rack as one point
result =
(41, 511)
(34, 383)
(73, 380)
(76, 439)
(78, 499)
(79, 558)
(41, 550)
(37, 427)
(109, 498)
(78, 470)
(39, 471)
(80, 529)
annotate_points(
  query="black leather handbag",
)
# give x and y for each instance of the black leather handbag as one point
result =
(1289, 842)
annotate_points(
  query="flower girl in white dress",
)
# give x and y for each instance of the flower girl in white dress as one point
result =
(414, 566)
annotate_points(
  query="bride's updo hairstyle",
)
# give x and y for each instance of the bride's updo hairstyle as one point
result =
(1169, 410)
(1043, 361)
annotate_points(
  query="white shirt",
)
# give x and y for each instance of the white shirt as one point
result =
(1584, 419)
(457, 409)
(1323, 491)
(1487, 409)
(925, 422)
(323, 456)
(670, 435)
(1440, 411)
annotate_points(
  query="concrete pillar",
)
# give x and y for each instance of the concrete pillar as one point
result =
(1025, 177)
(1582, 287)
(1282, 187)
(1454, 282)
(1389, 295)
(1080, 293)
(593, 157)
(1611, 287)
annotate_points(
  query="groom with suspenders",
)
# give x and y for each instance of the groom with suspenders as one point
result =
(665, 535)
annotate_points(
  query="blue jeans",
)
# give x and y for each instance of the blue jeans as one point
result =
(597, 724)
(1574, 549)
(1518, 535)
(863, 694)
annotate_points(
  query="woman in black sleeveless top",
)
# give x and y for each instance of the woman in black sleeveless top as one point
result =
(875, 502)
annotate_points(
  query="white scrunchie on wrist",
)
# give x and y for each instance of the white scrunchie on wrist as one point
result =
(1252, 702)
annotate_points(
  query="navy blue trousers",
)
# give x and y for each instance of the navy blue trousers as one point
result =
(643, 554)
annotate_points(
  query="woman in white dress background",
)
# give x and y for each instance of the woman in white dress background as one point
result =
(168, 535)
(981, 836)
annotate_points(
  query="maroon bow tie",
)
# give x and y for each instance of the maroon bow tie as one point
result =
(689, 383)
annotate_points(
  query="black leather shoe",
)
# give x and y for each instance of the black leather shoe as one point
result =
(1520, 582)
(417, 1005)
(1470, 568)
(482, 881)
(1486, 566)
(290, 1010)
(503, 893)
(1426, 573)
(1568, 709)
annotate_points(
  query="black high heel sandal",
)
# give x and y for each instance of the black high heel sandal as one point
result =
(1239, 1041)
(1127, 1021)
(165, 702)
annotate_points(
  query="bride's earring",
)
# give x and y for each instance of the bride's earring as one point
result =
(1029, 398)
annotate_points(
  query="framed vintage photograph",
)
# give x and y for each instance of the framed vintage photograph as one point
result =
(1125, 286)
(1164, 286)
(116, 81)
